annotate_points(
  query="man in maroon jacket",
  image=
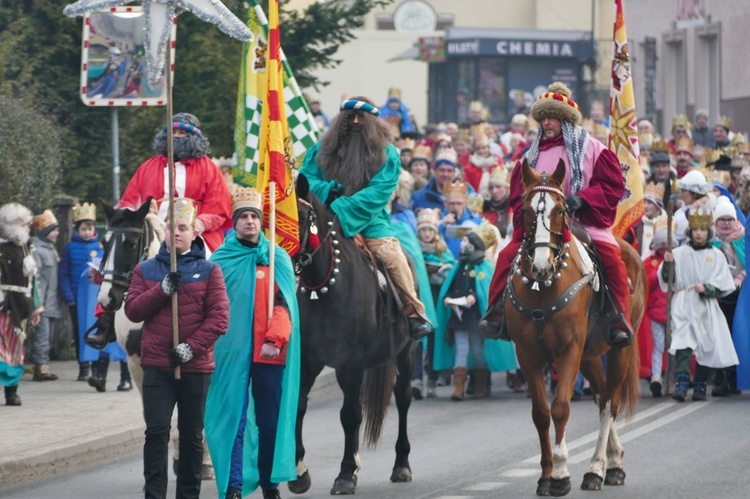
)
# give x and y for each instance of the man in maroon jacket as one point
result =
(203, 316)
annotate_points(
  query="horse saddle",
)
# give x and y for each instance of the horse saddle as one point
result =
(385, 283)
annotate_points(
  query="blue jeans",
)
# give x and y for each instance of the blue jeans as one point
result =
(265, 382)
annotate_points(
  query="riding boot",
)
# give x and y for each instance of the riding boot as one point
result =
(620, 333)
(98, 378)
(481, 377)
(721, 388)
(41, 373)
(492, 325)
(11, 395)
(126, 383)
(681, 385)
(459, 380)
(83, 371)
(699, 388)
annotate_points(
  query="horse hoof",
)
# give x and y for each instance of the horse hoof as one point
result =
(615, 476)
(542, 487)
(301, 484)
(559, 487)
(401, 474)
(344, 486)
(591, 481)
(207, 472)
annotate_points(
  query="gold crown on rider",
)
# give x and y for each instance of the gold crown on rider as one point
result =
(41, 222)
(724, 122)
(500, 175)
(456, 188)
(247, 197)
(184, 209)
(85, 211)
(486, 234)
(654, 191)
(700, 219)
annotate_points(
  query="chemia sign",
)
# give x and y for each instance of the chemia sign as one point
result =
(578, 49)
(543, 49)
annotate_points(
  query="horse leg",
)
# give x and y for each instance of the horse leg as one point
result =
(308, 374)
(350, 381)
(617, 370)
(567, 370)
(593, 371)
(402, 392)
(534, 374)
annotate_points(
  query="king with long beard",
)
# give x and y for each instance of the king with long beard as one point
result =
(355, 170)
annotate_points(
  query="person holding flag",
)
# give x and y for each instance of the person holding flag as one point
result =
(593, 188)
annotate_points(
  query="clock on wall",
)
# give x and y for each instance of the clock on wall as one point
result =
(415, 15)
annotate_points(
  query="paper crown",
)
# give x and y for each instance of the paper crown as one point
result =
(486, 233)
(724, 122)
(681, 120)
(85, 211)
(740, 161)
(446, 156)
(654, 192)
(428, 218)
(184, 209)
(456, 188)
(475, 203)
(406, 144)
(462, 134)
(660, 145)
(722, 177)
(712, 156)
(700, 219)
(422, 151)
(394, 93)
(684, 144)
(739, 138)
(247, 197)
(500, 175)
(46, 219)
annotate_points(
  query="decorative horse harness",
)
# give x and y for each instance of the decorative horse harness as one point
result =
(305, 258)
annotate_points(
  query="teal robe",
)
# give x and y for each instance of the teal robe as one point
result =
(500, 355)
(366, 211)
(233, 352)
(409, 243)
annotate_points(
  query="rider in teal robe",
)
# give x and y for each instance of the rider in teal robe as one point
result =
(233, 352)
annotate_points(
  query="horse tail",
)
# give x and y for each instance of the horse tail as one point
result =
(631, 383)
(377, 397)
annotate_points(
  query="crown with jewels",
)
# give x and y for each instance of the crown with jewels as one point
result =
(487, 234)
(428, 218)
(475, 203)
(681, 120)
(654, 191)
(184, 209)
(500, 175)
(85, 211)
(247, 197)
(684, 144)
(700, 219)
(456, 188)
(41, 222)
(724, 122)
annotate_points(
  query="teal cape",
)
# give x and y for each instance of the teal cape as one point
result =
(439, 261)
(409, 243)
(233, 354)
(500, 355)
(366, 211)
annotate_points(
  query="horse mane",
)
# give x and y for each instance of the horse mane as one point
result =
(158, 225)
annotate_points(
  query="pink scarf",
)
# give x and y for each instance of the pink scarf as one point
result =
(733, 233)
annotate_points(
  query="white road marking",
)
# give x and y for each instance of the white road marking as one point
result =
(485, 486)
(520, 473)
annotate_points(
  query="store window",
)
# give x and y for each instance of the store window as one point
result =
(492, 87)
(466, 88)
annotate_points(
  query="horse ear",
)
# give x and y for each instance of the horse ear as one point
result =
(302, 187)
(108, 209)
(144, 209)
(527, 174)
(559, 176)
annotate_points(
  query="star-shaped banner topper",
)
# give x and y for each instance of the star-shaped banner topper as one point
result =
(159, 18)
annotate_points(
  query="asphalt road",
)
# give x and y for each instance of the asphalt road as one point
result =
(488, 448)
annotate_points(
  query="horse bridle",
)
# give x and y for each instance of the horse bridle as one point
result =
(305, 258)
(122, 279)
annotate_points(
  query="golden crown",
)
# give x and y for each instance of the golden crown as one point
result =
(247, 197)
(406, 144)
(85, 211)
(475, 203)
(41, 222)
(712, 156)
(456, 188)
(449, 155)
(743, 149)
(654, 191)
(394, 92)
(661, 223)
(684, 144)
(463, 134)
(428, 217)
(681, 120)
(660, 145)
(479, 138)
(740, 161)
(184, 209)
(487, 234)
(724, 121)
(422, 152)
(444, 137)
(700, 219)
(721, 176)
(500, 175)
(739, 138)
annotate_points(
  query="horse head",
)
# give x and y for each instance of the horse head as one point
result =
(315, 224)
(544, 218)
(128, 240)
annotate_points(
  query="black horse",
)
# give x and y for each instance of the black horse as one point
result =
(348, 323)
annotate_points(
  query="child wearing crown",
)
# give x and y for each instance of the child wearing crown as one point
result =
(463, 297)
(700, 276)
(457, 218)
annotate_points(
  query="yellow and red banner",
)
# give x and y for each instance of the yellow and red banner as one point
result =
(276, 156)
(623, 133)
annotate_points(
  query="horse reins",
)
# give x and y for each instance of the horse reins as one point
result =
(304, 258)
(122, 279)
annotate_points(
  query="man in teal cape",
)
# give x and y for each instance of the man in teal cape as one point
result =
(239, 358)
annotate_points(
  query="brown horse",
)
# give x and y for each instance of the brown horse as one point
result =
(553, 314)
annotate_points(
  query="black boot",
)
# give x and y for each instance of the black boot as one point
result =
(419, 327)
(681, 386)
(126, 383)
(699, 388)
(721, 388)
(620, 333)
(271, 494)
(11, 395)
(83, 371)
(233, 493)
(98, 378)
(492, 324)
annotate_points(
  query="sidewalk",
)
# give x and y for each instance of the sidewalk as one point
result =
(66, 423)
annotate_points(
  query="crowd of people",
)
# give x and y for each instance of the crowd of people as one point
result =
(450, 197)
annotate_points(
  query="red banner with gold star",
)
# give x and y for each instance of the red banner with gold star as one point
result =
(623, 134)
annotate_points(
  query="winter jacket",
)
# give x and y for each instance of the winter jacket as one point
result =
(656, 308)
(203, 308)
(427, 197)
(75, 258)
(45, 256)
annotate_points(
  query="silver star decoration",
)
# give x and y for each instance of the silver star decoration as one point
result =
(159, 20)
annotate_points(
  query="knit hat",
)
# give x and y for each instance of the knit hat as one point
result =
(695, 182)
(724, 208)
(359, 105)
(556, 103)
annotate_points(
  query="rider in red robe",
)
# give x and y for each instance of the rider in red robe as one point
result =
(593, 187)
(196, 177)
